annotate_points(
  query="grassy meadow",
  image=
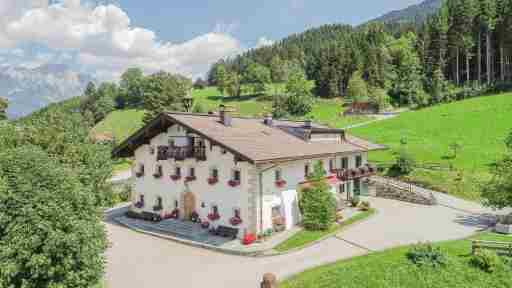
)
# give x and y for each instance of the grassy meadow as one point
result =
(392, 269)
(478, 125)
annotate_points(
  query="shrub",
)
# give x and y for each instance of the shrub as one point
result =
(485, 260)
(355, 201)
(426, 254)
(404, 164)
(365, 206)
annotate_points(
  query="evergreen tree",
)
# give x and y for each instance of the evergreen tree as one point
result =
(486, 23)
(357, 88)
(317, 203)
(220, 78)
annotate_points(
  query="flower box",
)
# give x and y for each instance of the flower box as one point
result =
(175, 177)
(235, 221)
(213, 216)
(213, 181)
(233, 183)
(175, 214)
(190, 178)
(280, 183)
(139, 205)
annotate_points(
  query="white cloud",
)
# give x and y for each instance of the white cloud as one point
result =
(104, 39)
(263, 41)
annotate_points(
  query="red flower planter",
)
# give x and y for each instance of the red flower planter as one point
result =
(213, 217)
(280, 183)
(235, 221)
(190, 178)
(234, 183)
(175, 177)
(213, 181)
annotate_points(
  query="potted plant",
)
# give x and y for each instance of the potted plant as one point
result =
(194, 217)
(249, 239)
(205, 224)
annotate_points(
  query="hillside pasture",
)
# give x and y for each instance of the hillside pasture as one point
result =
(477, 125)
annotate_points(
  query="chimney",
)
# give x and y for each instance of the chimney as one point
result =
(268, 120)
(225, 117)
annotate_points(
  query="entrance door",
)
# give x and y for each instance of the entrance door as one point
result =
(189, 205)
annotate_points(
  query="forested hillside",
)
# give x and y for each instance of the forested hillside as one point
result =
(464, 49)
(415, 13)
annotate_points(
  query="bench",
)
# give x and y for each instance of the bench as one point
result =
(147, 216)
(499, 247)
(226, 232)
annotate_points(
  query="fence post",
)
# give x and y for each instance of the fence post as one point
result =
(269, 281)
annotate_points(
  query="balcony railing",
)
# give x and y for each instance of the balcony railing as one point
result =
(355, 173)
(181, 153)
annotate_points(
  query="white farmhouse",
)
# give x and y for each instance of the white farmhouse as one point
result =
(235, 172)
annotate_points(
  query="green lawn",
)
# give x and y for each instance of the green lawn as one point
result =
(305, 237)
(121, 123)
(478, 124)
(392, 269)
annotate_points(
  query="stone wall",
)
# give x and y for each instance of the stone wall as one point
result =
(387, 191)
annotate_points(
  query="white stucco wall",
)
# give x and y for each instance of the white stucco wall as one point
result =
(221, 194)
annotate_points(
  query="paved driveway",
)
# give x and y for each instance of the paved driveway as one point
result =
(138, 260)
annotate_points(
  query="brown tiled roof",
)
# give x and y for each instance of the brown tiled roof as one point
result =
(256, 142)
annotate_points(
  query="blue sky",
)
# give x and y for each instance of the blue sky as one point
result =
(250, 20)
(184, 37)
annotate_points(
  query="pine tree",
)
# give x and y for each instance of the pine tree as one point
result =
(486, 23)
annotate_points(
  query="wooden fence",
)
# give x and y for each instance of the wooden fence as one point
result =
(499, 247)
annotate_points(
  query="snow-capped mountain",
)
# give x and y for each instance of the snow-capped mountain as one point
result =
(30, 89)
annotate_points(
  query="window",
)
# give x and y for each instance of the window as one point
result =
(278, 175)
(342, 188)
(357, 187)
(177, 171)
(237, 175)
(344, 163)
(140, 171)
(141, 199)
(176, 204)
(214, 173)
(172, 143)
(306, 170)
(215, 209)
(332, 164)
(158, 171)
(236, 212)
(359, 161)
(192, 172)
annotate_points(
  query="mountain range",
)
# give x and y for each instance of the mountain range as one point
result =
(413, 13)
(28, 89)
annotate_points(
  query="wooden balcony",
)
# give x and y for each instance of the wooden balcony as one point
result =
(355, 173)
(181, 153)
